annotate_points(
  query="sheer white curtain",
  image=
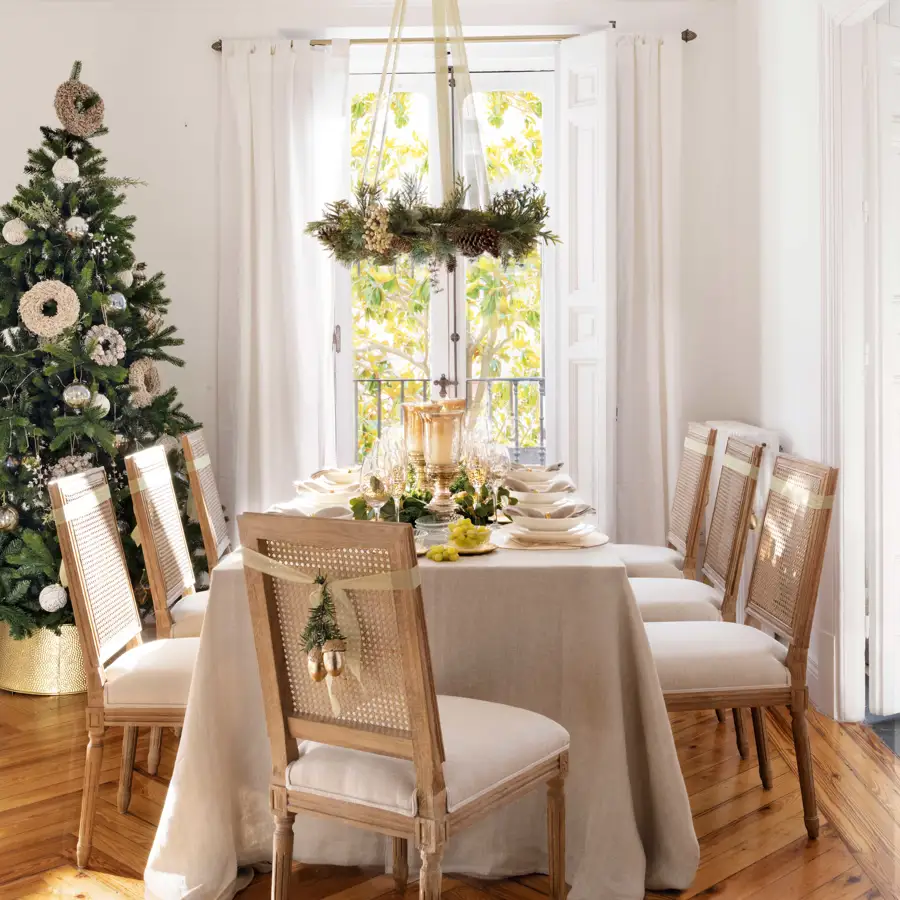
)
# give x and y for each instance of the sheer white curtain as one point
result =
(283, 141)
(649, 98)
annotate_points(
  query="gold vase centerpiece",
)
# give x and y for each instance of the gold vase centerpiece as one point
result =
(44, 663)
(414, 437)
(443, 446)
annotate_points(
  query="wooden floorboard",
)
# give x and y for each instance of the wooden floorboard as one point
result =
(753, 842)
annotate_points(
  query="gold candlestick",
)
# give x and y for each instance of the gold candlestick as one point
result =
(414, 437)
(417, 461)
(441, 476)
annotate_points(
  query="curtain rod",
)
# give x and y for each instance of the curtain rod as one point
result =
(686, 36)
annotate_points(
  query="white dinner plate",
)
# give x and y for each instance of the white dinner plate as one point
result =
(537, 498)
(552, 537)
(531, 523)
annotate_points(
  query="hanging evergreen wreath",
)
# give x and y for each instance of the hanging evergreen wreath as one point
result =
(511, 227)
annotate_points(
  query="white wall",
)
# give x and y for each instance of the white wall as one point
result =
(153, 65)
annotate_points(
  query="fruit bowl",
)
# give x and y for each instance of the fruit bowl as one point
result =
(466, 536)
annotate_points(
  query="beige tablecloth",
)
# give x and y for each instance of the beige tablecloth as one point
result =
(555, 632)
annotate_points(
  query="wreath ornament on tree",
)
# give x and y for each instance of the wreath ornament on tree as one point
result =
(372, 227)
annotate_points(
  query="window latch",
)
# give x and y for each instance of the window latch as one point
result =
(336, 339)
(443, 383)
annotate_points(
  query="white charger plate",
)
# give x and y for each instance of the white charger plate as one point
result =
(552, 537)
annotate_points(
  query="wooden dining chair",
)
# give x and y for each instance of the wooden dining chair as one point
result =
(714, 665)
(178, 607)
(679, 556)
(130, 683)
(383, 752)
(714, 595)
(206, 497)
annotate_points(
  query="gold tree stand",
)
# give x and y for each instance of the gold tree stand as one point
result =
(44, 663)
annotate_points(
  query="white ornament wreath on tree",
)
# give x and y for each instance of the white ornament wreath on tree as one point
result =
(143, 376)
(107, 345)
(32, 303)
(15, 232)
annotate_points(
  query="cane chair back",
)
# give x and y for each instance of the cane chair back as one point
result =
(791, 551)
(206, 497)
(394, 711)
(166, 554)
(105, 610)
(691, 489)
(730, 521)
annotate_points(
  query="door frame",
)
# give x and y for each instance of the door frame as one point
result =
(842, 690)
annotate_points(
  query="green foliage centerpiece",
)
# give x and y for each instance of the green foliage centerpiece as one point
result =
(82, 331)
(509, 228)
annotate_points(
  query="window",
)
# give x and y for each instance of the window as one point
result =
(477, 333)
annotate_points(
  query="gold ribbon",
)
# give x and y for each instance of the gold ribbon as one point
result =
(698, 447)
(400, 580)
(801, 496)
(741, 466)
(74, 509)
(195, 465)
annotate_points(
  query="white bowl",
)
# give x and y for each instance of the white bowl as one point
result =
(341, 476)
(536, 498)
(536, 475)
(556, 525)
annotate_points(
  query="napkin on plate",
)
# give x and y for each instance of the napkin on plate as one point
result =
(561, 485)
(562, 511)
(325, 512)
(555, 467)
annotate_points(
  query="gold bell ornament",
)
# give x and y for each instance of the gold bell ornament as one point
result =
(333, 657)
(315, 665)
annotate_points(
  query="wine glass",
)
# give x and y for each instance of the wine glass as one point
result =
(376, 479)
(399, 467)
(498, 468)
(476, 464)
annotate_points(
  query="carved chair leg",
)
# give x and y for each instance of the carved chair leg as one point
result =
(129, 745)
(401, 863)
(762, 746)
(430, 873)
(155, 750)
(689, 570)
(556, 837)
(282, 854)
(720, 715)
(92, 765)
(740, 733)
(805, 769)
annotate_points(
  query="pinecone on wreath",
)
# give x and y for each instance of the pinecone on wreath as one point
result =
(378, 238)
(401, 244)
(482, 240)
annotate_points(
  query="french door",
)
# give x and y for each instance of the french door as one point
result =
(404, 332)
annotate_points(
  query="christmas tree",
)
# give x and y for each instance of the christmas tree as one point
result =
(81, 333)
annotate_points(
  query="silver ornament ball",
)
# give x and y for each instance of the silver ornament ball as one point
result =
(101, 402)
(15, 232)
(53, 598)
(76, 227)
(9, 517)
(65, 170)
(77, 395)
(125, 278)
(117, 301)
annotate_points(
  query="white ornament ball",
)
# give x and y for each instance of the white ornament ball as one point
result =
(66, 170)
(117, 301)
(77, 395)
(168, 442)
(101, 402)
(76, 227)
(53, 598)
(125, 278)
(15, 232)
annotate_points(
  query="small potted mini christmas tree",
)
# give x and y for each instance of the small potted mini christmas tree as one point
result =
(81, 334)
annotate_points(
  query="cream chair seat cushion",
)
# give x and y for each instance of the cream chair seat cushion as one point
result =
(157, 673)
(187, 614)
(676, 600)
(485, 744)
(647, 561)
(711, 656)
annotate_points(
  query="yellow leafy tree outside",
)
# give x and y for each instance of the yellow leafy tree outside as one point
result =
(391, 306)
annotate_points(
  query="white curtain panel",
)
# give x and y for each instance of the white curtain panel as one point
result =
(649, 98)
(283, 154)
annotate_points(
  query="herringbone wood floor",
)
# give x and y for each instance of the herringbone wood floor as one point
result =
(753, 842)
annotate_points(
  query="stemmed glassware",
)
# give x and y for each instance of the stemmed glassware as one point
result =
(476, 463)
(498, 468)
(399, 466)
(376, 478)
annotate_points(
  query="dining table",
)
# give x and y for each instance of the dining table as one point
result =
(556, 631)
